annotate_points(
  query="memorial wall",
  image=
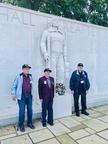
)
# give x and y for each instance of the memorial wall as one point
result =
(20, 38)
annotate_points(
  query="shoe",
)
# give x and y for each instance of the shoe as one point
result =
(51, 124)
(85, 113)
(22, 129)
(31, 126)
(44, 125)
(77, 114)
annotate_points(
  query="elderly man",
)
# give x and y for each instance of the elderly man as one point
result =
(79, 85)
(46, 95)
(22, 91)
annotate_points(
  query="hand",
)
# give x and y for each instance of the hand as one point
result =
(72, 92)
(14, 98)
(86, 91)
(41, 100)
(46, 56)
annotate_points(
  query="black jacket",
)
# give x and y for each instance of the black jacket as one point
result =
(75, 79)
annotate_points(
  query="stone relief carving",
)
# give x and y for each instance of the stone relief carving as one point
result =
(54, 50)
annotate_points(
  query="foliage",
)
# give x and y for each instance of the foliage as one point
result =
(91, 11)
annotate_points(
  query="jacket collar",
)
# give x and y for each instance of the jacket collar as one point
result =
(53, 30)
(47, 82)
(22, 74)
(46, 78)
(78, 72)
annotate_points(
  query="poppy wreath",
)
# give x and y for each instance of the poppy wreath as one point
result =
(60, 89)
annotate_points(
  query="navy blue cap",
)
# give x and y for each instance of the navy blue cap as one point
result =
(26, 66)
(80, 64)
(47, 69)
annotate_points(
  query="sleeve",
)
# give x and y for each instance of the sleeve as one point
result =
(14, 87)
(88, 83)
(53, 86)
(40, 89)
(43, 42)
(71, 82)
(31, 77)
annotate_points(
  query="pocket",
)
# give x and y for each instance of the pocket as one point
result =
(31, 96)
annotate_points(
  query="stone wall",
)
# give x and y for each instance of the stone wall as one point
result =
(20, 35)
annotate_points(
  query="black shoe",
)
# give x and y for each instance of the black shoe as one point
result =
(44, 125)
(31, 126)
(85, 113)
(77, 114)
(22, 129)
(51, 124)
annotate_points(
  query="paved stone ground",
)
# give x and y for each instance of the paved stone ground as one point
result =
(92, 129)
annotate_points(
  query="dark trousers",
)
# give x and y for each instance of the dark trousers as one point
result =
(25, 100)
(47, 106)
(83, 101)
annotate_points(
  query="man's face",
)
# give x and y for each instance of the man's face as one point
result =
(26, 71)
(47, 73)
(80, 68)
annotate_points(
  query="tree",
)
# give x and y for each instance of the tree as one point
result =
(73, 9)
(30, 4)
(92, 11)
(98, 12)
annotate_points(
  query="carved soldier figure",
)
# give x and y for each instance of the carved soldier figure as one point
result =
(55, 52)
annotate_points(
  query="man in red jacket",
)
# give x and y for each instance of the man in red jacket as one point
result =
(46, 95)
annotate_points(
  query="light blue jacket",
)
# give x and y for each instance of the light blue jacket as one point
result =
(17, 86)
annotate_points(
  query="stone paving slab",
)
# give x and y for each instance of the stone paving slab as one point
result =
(93, 139)
(85, 117)
(90, 111)
(18, 140)
(58, 129)
(55, 121)
(38, 126)
(8, 136)
(79, 119)
(96, 115)
(7, 130)
(104, 118)
(41, 135)
(92, 129)
(104, 134)
(65, 139)
(96, 124)
(105, 112)
(101, 108)
(69, 122)
(78, 134)
(50, 141)
(82, 126)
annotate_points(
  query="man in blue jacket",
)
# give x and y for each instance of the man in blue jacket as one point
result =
(22, 92)
(79, 85)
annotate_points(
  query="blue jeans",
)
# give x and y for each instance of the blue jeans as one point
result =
(25, 100)
(47, 106)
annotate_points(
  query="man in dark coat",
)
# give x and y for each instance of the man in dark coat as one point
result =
(79, 85)
(46, 95)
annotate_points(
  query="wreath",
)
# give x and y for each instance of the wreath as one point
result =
(60, 89)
